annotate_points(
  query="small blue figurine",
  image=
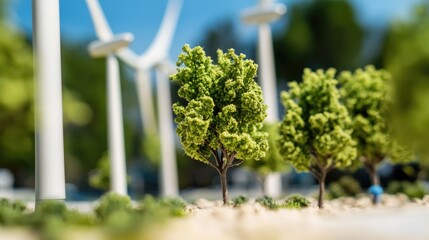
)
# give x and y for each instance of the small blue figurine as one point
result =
(375, 191)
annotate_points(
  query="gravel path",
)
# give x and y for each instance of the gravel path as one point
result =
(346, 218)
(396, 217)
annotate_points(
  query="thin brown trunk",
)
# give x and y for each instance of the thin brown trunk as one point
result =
(321, 188)
(372, 171)
(224, 185)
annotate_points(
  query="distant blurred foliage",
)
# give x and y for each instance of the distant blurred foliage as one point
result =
(100, 177)
(406, 56)
(346, 186)
(151, 147)
(320, 34)
(273, 161)
(83, 105)
(222, 35)
(366, 93)
(16, 99)
(411, 189)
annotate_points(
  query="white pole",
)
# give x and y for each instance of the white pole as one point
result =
(118, 177)
(144, 94)
(169, 182)
(267, 72)
(273, 185)
(50, 179)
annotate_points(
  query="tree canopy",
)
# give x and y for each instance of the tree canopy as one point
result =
(366, 96)
(315, 134)
(221, 122)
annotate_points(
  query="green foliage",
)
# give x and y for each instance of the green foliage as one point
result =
(315, 134)
(224, 108)
(412, 190)
(171, 207)
(296, 201)
(240, 200)
(345, 187)
(100, 177)
(220, 123)
(11, 213)
(367, 95)
(83, 105)
(114, 215)
(318, 34)
(118, 215)
(268, 202)
(406, 56)
(16, 100)
(151, 147)
(316, 129)
(273, 161)
(111, 203)
(51, 217)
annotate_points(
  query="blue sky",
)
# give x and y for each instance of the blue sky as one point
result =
(142, 17)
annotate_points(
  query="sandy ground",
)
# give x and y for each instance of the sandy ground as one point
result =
(396, 217)
(347, 218)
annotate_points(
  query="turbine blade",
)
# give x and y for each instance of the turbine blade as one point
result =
(102, 28)
(145, 97)
(128, 56)
(162, 41)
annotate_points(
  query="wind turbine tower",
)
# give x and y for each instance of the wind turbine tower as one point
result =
(155, 57)
(50, 176)
(261, 15)
(106, 46)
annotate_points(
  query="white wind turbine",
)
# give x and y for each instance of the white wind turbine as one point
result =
(262, 15)
(155, 57)
(50, 179)
(106, 46)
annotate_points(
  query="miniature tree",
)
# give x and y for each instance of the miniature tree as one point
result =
(367, 98)
(221, 122)
(272, 162)
(315, 134)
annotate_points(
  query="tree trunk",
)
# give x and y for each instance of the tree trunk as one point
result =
(372, 171)
(224, 185)
(321, 189)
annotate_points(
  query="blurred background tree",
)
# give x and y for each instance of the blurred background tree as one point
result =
(406, 55)
(83, 103)
(272, 162)
(16, 102)
(318, 34)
